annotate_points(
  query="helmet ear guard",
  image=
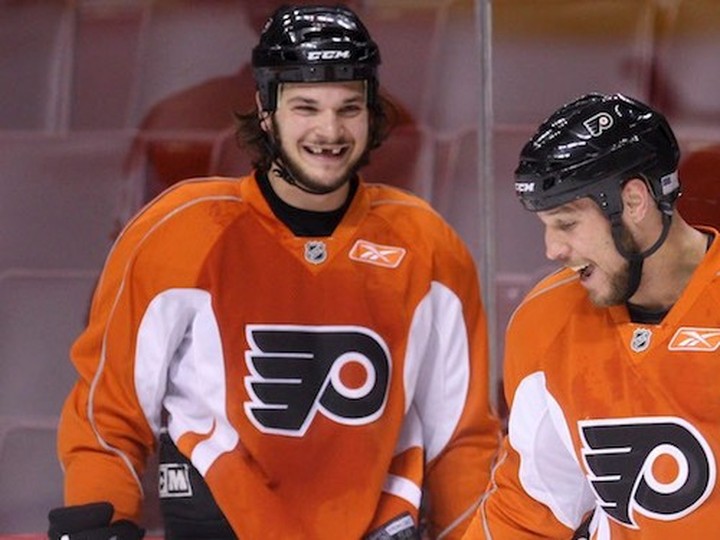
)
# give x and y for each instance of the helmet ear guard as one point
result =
(314, 44)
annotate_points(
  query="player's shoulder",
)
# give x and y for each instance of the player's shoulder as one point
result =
(393, 199)
(538, 321)
(414, 218)
(557, 283)
(202, 194)
(550, 301)
(198, 190)
(403, 209)
(201, 204)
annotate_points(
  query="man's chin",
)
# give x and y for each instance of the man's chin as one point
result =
(321, 184)
(609, 299)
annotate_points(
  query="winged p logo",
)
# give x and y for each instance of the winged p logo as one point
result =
(660, 467)
(598, 123)
(297, 372)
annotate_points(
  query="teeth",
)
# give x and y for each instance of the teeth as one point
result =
(319, 151)
(578, 267)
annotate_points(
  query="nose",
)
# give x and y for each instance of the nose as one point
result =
(556, 249)
(330, 125)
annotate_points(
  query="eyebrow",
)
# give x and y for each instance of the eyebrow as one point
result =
(559, 210)
(301, 99)
(307, 100)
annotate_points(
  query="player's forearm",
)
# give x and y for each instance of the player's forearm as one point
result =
(91, 477)
(101, 461)
(457, 480)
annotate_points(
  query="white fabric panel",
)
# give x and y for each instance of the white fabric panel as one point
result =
(403, 488)
(190, 351)
(600, 526)
(538, 431)
(411, 434)
(437, 366)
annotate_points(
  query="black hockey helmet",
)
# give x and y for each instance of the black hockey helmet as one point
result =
(590, 147)
(314, 44)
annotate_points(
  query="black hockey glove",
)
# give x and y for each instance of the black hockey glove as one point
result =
(90, 522)
(583, 532)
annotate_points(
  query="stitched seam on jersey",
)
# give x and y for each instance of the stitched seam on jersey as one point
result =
(469, 511)
(103, 350)
(381, 202)
(177, 186)
(549, 288)
(499, 456)
(544, 290)
(174, 187)
(486, 496)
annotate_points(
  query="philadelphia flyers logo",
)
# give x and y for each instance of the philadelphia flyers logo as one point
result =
(598, 124)
(297, 372)
(660, 467)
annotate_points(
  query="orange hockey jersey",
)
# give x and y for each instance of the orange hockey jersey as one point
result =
(611, 416)
(319, 385)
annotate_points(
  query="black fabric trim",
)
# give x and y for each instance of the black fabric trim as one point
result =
(641, 315)
(305, 222)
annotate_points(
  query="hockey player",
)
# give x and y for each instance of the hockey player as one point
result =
(611, 365)
(310, 349)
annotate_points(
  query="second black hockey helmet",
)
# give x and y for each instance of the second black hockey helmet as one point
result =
(590, 147)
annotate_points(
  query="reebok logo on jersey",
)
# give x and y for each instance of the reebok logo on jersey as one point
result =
(695, 339)
(174, 480)
(367, 252)
(298, 372)
(660, 467)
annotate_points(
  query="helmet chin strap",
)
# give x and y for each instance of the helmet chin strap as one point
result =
(636, 260)
(284, 172)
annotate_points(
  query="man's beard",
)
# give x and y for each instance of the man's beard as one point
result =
(620, 280)
(306, 182)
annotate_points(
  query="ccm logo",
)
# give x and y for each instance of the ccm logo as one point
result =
(524, 187)
(328, 55)
(174, 480)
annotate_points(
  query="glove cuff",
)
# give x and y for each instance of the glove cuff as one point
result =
(90, 522)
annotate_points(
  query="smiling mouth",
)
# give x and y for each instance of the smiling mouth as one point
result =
(583, 270)
(327, 151)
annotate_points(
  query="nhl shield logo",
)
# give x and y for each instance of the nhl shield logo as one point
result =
(640, 339)
(315, 252)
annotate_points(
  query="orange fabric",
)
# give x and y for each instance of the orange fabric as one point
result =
(631, 395)
(217, 239)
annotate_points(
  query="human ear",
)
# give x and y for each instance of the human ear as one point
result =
(263, 116)
(636, 198)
